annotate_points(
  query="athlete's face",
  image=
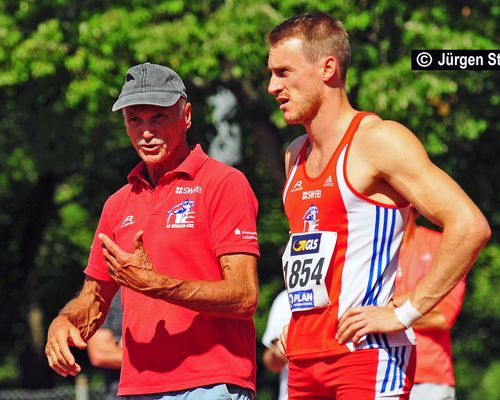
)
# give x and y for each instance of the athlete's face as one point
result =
(158, 134)
(295, 82)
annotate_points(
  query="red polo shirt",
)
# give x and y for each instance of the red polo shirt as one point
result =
(197, 212)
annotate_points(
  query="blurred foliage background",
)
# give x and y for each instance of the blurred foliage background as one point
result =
(63, 152)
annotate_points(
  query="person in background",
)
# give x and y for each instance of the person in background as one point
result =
(279, 316)
(434, 377)
(105, 348)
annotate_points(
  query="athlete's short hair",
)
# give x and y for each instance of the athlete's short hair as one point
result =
(321, 34)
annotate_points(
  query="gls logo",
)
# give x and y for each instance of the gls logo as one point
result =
(306, 244)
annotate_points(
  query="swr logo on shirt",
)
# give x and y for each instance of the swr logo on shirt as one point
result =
(187, 190)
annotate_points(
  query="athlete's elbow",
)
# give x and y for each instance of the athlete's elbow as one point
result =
(486, 232)
(480, 232)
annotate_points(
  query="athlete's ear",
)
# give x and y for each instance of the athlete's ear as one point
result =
(330, 68)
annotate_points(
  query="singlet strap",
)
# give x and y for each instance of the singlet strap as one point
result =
(353, 127)
(347, 138)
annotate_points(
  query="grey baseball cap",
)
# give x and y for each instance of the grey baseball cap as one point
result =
(150, 84)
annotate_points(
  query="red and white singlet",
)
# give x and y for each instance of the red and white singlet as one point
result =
(342, 253)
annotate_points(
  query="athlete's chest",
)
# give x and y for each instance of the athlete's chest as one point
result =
(313, 204)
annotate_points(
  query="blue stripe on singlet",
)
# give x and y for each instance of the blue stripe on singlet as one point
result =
(378, 282)
(387, 252)
(387, 371)
(377, 266)
(401, 366)
(397, 369)
(374, 256)
(386, 341)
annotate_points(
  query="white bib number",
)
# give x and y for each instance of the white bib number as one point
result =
(305, 264)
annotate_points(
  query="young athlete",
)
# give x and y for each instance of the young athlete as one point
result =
(346, 340)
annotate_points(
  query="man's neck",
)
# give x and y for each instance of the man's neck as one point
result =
(327, 128)
(156, 171)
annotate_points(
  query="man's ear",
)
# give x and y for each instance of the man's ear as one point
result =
(330, 68)
(187, 114)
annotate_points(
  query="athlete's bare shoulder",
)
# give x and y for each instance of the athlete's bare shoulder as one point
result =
(376, 136)
(373, 128)
(293, 151)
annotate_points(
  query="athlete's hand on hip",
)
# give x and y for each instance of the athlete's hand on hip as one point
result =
(282, 341)
(132, 270)
(61, 335)
(360, 321)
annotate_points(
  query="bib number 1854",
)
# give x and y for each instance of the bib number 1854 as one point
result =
(305, 265)
(303, 271)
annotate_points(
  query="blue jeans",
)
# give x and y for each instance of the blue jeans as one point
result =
(212, 392)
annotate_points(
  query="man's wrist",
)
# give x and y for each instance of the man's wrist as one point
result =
(407, 314)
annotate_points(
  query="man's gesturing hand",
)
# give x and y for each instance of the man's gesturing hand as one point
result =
(360, 321)
(132, 270)
(61, 335)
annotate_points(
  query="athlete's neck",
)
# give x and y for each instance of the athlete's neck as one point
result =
(330, 123)
(326, 130)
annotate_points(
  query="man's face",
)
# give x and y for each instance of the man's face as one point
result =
(156, 132)
(295, 82)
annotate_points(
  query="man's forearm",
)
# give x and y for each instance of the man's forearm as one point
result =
(235, 295)
(88, 310)
(223, 298)
(456, 256)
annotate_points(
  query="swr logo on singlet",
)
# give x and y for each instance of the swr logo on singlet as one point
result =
(311, 194)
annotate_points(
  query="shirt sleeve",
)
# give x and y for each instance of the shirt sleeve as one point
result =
(279, 316)
(233, 214)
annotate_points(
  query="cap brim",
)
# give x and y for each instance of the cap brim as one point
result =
(163, 99)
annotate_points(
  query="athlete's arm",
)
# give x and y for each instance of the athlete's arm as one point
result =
(443, 316)
(235, 296)
(76, 323)
(406, 167)
(433, 320)
(292, 152)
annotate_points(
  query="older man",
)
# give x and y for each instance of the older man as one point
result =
(180, 239)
